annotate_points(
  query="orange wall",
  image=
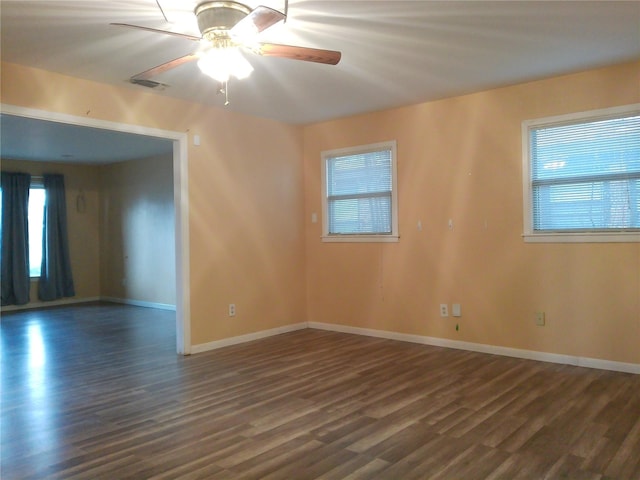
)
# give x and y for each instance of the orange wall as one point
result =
(137, 221)
(253, 184)
(245, 197)
(460, 159)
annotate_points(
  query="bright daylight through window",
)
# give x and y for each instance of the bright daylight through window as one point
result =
(36, 217)
(582, 176)
(360, 194)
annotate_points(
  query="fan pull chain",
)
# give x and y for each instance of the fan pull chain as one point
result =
(224, 88)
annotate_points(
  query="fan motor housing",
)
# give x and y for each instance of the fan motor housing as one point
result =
(215, 19)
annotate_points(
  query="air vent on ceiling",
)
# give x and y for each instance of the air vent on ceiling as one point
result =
(148, 83)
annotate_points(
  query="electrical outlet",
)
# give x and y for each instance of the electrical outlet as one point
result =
(232, 309)
(540, 319)
(444, 310)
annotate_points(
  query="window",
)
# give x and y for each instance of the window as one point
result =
(582, 177)
(36, 218)
(359, 194)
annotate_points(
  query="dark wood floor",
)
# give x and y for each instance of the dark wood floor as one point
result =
(97, 391)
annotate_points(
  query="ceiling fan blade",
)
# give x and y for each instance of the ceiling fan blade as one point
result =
(156, 30)
(259, 19)
(152, 72)
(330, 57)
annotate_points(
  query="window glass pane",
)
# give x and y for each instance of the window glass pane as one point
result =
(595, 148)
(587, 206)
(361, 173)
(36, 217)
(360, 215)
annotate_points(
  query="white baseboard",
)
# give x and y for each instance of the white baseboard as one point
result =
(139, 303)
(226, 342)
(53, 303)
(403, 337)
(483, 348)
(70, 301)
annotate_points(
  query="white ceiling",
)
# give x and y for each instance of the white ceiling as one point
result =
(393, 52)
(23, 138)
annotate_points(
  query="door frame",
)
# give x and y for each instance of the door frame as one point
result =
(180, 201)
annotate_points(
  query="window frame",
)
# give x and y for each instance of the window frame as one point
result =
(361, 237)
(529, 234)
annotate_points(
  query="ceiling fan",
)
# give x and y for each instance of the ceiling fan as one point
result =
(226, 27)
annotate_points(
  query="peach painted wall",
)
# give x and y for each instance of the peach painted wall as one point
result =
(460, 159)
(252, 241)
(82, 226)
(137, 225)
(246, 197)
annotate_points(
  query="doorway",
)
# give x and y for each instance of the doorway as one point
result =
(180, 199)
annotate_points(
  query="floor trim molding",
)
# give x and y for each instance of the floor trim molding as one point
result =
(53, 303)
(403, 337)
(139, 303)
(484, 348)
(249, 337)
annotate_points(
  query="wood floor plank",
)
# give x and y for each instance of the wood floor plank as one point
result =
(367, 468)
(270, 461)
(625, 460)
(568, 466)
(97, 391)
(402, 443)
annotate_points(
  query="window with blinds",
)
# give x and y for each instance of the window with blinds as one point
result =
(583, 173)
(359, 197)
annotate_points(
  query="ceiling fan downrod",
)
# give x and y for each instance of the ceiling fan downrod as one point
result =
(216, 19)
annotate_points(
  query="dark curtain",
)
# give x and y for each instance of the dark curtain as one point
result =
(14, 253)
(56, 280)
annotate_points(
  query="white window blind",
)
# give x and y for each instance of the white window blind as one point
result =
(359, 191)
(585, 175)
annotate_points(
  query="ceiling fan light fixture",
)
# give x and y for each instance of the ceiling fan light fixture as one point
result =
(225, 26)
(222, 63)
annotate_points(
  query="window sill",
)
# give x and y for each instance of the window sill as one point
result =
(361, 238)
(595, 237)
